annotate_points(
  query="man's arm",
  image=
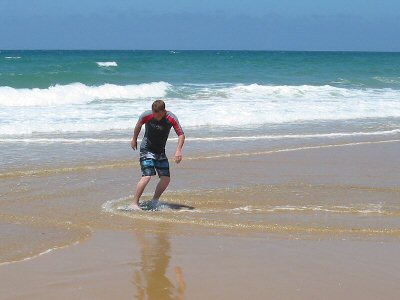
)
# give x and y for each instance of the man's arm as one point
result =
(181, 136)
(136, 132)
(178, 153)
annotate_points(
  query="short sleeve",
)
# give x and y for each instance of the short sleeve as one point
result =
(146, 116)
(175, 123)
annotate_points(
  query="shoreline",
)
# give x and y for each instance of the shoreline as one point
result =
(282, 186)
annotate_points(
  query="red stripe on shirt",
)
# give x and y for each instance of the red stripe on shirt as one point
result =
(147, 118)
(176, 125)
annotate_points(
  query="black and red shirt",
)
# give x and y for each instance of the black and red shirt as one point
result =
(156, 134)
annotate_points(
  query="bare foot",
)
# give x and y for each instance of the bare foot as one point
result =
(133, 207)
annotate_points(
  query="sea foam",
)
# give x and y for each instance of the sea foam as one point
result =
(78, 107)
(107, 64)
(78, 93)
(256, 104)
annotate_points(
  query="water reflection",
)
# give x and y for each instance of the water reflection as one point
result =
(150, 276)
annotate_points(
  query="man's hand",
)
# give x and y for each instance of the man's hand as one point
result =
(178, 153)
(134, 144)
(178, 156)
(136, 132)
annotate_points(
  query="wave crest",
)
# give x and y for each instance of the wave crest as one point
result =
(106, 63)
(76, 93)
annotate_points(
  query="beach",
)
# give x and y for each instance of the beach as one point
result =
(343, 247)
(288, 188)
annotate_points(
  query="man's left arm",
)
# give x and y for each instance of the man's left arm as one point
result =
(178, 153)
(181, 136)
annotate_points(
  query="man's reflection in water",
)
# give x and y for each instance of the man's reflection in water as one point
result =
(150, 277)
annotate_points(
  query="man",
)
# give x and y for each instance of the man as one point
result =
(158, 123)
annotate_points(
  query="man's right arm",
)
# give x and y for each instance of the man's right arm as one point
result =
(136, 132)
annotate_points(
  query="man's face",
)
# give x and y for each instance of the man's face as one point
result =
(158, 114)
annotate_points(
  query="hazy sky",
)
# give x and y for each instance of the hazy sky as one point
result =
(369, 25)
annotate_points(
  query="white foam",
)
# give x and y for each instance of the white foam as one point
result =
(260, 104)
(247, 208)
(12, 57)
(77, 107)
(107, 64)
(366, 209)
(39, 254)
(78, 93)
(40, 140)
(296, 136)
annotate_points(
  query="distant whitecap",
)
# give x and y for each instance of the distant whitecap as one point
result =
(107, 64)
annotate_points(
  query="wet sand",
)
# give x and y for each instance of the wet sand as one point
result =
(161, 265)
(308, 222)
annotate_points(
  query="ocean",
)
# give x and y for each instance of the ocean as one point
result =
(293, 143)
(220, 97)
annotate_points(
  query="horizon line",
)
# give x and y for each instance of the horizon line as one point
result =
(178, 49)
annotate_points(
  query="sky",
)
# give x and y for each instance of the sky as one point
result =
(314, 25)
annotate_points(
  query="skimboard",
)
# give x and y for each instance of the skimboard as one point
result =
(155, 206)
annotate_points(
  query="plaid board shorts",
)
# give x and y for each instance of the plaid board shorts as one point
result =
(151, 162)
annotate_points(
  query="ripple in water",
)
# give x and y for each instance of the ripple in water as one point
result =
(311, 209)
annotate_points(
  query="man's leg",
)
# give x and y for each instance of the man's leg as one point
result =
(139, 191)
(161, 187)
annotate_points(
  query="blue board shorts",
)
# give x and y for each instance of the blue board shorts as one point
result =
(150, 163)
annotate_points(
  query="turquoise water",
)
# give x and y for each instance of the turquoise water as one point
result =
(41, 69)
(223, 99)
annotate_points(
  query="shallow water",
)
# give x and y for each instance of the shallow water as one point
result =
(280, 208)
(295, 144)
(316, 191)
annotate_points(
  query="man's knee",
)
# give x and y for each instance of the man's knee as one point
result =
(165, 178)
(145, 179)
